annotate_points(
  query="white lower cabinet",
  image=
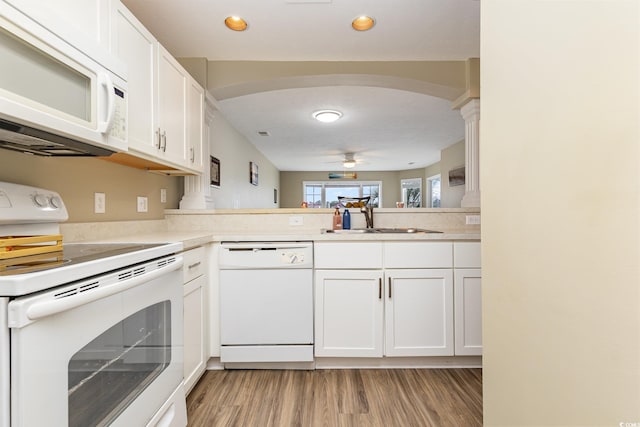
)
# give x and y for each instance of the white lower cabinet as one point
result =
(194, 316)
(468, 298)
(385, 311)
(468, 309)
(419, 312)
(348, 313)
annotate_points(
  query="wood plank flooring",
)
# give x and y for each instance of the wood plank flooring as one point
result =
(351, 397)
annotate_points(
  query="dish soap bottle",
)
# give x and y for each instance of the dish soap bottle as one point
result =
(346, 220)
(337, 220)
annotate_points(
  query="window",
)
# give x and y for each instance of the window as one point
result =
(319, 194)
(433, 191)
(411, 192)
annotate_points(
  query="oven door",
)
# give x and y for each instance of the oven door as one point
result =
(104, 351)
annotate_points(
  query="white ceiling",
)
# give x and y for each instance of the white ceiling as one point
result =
(385, 128)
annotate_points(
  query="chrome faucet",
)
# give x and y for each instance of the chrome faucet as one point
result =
(368, 215)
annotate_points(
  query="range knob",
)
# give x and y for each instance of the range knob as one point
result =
(40, 201)
(55, 202)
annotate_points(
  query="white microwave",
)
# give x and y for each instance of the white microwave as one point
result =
(54, 99)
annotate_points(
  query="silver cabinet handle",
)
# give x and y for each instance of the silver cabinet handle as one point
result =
(389, 287)
(164, 141)
(158, 137)
(194, 265)
(193, 154)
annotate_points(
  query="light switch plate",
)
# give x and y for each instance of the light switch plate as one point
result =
(142, 204)
(473, 219)
(99, 203)
(163, 195)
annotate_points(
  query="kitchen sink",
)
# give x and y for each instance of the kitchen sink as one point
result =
(382, 230)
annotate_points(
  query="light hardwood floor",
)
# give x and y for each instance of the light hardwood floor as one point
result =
(380, 397)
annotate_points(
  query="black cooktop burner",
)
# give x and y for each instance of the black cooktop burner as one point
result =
(72, 253)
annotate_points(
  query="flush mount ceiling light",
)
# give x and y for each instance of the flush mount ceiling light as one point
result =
(327, 116)
(349, 162)
(363, 23)
(235, 23)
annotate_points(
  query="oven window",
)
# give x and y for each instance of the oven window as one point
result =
(107, 374)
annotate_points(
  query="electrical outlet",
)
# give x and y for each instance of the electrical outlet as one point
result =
(163, 195)
(99, 203)
(142, 204)
(473, 219)
(295, 220)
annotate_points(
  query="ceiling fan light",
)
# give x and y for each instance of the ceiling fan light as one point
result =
(349, 164)
(327, 116)
(235, 23)
(363, 23)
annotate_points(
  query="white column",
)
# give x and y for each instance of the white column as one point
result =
(471, 115)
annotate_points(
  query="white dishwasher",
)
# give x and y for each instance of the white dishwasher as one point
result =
(266, 302)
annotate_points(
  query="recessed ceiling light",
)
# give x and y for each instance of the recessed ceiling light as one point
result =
(363, 23)
(327, 116)
(235, 23)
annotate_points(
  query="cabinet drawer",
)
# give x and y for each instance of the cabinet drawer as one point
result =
(193, 264)
(351, 255)
(418, 254)
(466, 255)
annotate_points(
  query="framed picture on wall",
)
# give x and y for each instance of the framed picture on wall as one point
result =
(253, 173)
(456, 177)
(214, 170)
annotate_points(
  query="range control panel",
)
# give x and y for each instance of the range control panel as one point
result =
(22, 204)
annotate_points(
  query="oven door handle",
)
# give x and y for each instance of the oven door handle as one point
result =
(46, 308)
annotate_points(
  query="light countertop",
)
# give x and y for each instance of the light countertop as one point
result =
(192, 239)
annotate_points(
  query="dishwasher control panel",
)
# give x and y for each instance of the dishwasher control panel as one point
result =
(265, 255)
(292, 257)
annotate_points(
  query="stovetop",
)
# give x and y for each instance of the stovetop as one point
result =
(72, 253)
(77, 261)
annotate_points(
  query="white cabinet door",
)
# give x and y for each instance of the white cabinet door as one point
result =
(172, 108)
(195, 125)
(134, 45)
(468, 309)
(419, 312)
(194, 350)
(81, 23)
(348, 313)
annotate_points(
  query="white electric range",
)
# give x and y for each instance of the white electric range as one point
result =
(92, 334)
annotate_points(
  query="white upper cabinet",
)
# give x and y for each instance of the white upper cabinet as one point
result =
(195, 124)
(133, 44)
(83, 24)
(171, 125)
(166, 105)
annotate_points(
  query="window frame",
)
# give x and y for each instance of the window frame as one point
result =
(325, 184)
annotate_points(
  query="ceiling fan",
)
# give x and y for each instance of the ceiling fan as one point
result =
(349, 161)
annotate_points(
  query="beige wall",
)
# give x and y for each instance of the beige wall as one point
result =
(560, 240)
(235, 152)
(451, 157)
(444, 79)
(77, 179)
